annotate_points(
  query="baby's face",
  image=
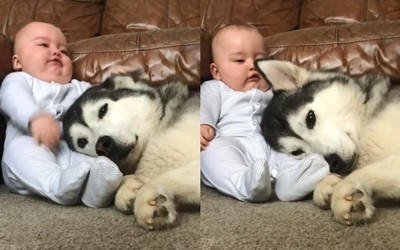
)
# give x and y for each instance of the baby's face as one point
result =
(234, 54)
(41, 51)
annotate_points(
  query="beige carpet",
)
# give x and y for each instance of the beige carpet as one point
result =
(225, 223)
(34, 223)
(230, 224)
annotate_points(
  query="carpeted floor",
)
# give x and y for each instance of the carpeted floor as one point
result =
(230, 224)
(33, 223)
(225, 223)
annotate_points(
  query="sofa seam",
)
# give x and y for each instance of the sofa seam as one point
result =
(136, 49)
(333, 43)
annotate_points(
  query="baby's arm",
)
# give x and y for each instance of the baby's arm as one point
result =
(45, 130)
(210, 96)
(296, 179)
(16, 100)
(19, 104)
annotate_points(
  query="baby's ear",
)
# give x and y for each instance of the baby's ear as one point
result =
(16, 64)
(214, 71)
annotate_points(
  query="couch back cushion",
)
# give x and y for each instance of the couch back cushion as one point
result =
(150, 55)
(143, 15)
(369, 47)
(269, 16)
(77, 19)
(6, 49)
(316, 13)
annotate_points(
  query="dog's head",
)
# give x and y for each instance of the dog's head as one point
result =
(313, 112)
(113, 121)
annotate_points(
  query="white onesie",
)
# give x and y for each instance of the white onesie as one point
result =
(238, 161)
(58, 174)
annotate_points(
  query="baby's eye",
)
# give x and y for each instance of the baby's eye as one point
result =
(43, 45)
(239, 60)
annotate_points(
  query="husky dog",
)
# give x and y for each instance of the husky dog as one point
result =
(152, 134)
(352, 121)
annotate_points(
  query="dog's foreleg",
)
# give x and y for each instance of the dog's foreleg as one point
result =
(353, 197)
(126, 193)
(324, 190)
(155, 205)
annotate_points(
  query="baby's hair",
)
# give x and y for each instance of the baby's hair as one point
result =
(240, 26)
(245, 26)
(24, 26)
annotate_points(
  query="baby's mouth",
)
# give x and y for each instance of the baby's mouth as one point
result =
(57, 62)
(254, 78)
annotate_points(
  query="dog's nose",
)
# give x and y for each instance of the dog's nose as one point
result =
(337, 164)
(104, 145)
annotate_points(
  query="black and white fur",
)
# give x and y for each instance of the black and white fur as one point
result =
(352, 121)
(152, 134)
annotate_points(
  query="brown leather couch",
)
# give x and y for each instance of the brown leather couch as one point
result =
(356, 36)
(162, 39)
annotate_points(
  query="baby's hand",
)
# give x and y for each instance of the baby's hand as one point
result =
(45, 130)
(207, 133)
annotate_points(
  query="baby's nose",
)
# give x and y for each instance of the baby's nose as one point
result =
(56, 52)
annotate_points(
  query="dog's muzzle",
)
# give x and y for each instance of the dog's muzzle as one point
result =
(106, 146)
(338, 165)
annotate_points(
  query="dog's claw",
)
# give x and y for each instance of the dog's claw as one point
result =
(157, 212)
(349, 198)
(351, 206)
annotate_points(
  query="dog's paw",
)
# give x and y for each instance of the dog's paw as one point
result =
(324, 190)
(126, 194)
(154, 210)
(351, 205)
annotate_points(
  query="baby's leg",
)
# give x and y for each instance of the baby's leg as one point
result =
(295, 179)
(32, 169)
(101, 185)
(234, 168)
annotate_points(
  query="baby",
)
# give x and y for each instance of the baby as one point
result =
(34, 100)
(235, 158)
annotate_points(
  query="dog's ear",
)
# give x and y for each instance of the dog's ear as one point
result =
(282, 75)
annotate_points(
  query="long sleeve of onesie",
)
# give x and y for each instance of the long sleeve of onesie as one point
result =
(17, 101)
(210, 101)
(23, 97)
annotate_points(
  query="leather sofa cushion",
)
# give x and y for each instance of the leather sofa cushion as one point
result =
(317, 13)
(77, 19)
(269, 16)
(150, 55)
(6, 49)
(355, 48)
(149, 15)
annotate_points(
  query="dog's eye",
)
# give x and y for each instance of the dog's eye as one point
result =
(103, 111)
(310, 119)
(82, 142)
(297, 152)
